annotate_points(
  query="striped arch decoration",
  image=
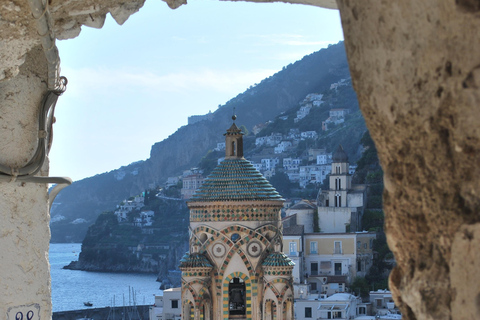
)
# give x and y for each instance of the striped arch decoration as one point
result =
(284, 290)
(280, 295)
(229, 257)
(288, 309)
(273, 309)
(248, 295)
(250, 234)
(274, 290)
(201, 294)
(188, 287)
(267, 227)
(188, 304)
(197, 297)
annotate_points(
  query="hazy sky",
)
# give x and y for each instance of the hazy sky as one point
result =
(133, 85)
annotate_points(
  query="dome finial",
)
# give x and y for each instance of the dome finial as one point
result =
(234, 116)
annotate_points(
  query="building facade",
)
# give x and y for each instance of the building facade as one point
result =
(340, 208)
(235, 267)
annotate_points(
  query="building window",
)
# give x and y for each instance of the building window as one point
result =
(362, 310)
(371, 243)
(314, 268)
(293, 248)
(313, 286)
(313, 247)
(338, 200)
(359, 244)
(338, 269)
(359, 265)
(174, 304)
(308, 312)
(338, 247)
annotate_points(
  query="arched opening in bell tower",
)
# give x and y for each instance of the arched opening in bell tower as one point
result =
(236, 297)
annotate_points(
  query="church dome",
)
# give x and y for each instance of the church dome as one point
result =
(277, 259)
(340, 155)
(235, 180)
(194, 260)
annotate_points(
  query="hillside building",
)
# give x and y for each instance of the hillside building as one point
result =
(191, 183)
(235, 268)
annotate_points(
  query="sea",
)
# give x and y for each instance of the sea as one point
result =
(71, 288)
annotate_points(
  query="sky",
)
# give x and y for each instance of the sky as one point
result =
(133, 85)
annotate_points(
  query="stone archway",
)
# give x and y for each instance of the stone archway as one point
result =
(415, 67)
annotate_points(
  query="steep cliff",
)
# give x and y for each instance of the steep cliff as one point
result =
(77, 206)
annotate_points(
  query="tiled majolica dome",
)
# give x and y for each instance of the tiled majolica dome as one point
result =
(236, 180)
(277, 259)
(194, 260)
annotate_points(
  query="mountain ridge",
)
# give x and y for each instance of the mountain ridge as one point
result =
(87, 198)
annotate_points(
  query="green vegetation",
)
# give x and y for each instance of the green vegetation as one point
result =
(360, 286)
(113, 246)
(369, 172)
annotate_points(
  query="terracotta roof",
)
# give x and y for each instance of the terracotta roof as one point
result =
(236, 180)
(194, 260)
(277, 259)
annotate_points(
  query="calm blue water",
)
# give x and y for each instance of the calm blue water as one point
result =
(70, 288)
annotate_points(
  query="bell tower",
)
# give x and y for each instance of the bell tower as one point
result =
(233, 142)
(235, 268)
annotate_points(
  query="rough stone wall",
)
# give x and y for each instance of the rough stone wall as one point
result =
(416, 68)
(24, 230)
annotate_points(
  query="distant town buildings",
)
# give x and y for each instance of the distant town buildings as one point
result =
(192, 180)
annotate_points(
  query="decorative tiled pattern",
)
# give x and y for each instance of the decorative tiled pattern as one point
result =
(274, 290)
(278, 259)
(273, 308)
(235, 180)
(188, 305)
(198, 298)
(240, 213)
(278, 272)
(280, 295)
(195, 274)
(248, 289)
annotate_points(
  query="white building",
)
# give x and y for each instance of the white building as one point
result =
(340, 208)
(260, 141)
(291, 164)
(324, 158)
(382, 302)
(220, 146)
(308, 135)
(171, 305)
(191, 183)
(303, 112)
(282, 147)
(128, 206)
(313, 174)
(337, 306)
(270, 163)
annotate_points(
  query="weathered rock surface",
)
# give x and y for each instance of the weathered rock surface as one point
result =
(415, 69)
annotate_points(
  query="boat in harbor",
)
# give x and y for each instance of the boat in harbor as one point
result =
(88, 304)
